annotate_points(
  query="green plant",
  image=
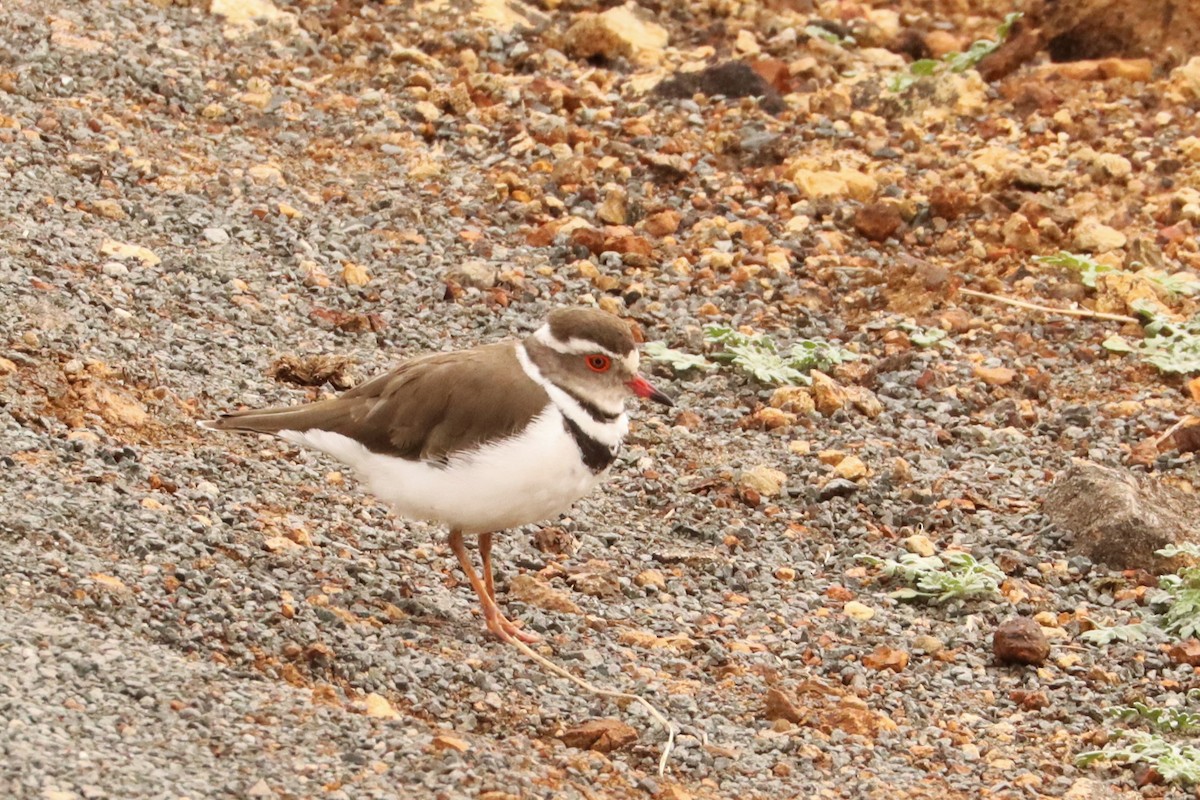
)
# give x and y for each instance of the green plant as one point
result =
(939, 578)
(924, 337)
(819, 354)
(755, 354)
(1088, 268)
(817, 32)
(1175, 763)
(981, 48)
(677, 359)
(1139, 632)
(1180, 593)
(1178, 597)
(955, 62)
(1164, 720)
(1171, 346)
(1178, 284)
(921, 68)
(759, 356)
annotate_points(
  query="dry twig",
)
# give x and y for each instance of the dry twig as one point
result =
(589, 687)
(1187, 418)
(1070, 312)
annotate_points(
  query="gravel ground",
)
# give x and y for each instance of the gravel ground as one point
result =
(188, 615)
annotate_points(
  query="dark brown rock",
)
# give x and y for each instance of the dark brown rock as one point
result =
(589, 238)
(1121, 518)
(315, 370)
(1021, 46)
(1165, 32)
(1020, 641)
(554, 541)
(1187, 438)
(1029, 700)
(948, 202)
(878, 221)
(730, 79)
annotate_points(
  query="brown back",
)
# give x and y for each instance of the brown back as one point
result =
(425, 409)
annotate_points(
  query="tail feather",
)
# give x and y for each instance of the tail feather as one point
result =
(274, 420)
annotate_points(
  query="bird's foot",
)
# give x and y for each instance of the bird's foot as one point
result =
(507, 631)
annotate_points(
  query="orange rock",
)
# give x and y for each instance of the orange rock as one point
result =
(995, 376)
(884, 657)
(828, 394)
(663, 223)
(445, 741)
(1185, 652)
(1131, 69)
(768, 419)
(601, 735)
(109, 582)
(629, 244)
(378, 706)
(531, 590)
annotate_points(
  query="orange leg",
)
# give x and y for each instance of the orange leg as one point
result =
(485, 590)
(485, 554)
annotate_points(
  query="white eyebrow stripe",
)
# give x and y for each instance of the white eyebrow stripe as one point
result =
(573, 346)
(608, 433)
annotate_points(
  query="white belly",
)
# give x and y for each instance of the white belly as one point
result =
(513, 482)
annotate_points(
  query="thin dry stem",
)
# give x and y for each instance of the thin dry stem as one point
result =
(589, 687)
(1167, 433)
(1070, 312)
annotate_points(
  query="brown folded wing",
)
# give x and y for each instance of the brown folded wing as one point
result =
(425, 409)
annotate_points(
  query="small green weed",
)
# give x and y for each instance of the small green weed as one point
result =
(1174, 762)
(1139, 632)
(757, 355)
(1177, 600)
(924, 337)
(1180, 593)
(939, 578)
(954, 62)
(1163, 720)
(677, 359)
(817, 32)
(1173, 347)
(1088, 268)
(1179, 284)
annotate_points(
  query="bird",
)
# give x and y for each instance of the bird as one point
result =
(484, 439)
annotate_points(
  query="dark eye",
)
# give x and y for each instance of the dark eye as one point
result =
(599, 363)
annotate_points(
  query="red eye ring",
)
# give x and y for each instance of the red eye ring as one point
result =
(598, 363)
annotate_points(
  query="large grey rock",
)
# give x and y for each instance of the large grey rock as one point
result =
(1120, 518)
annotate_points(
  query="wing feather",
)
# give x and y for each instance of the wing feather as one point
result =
(425, 409)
